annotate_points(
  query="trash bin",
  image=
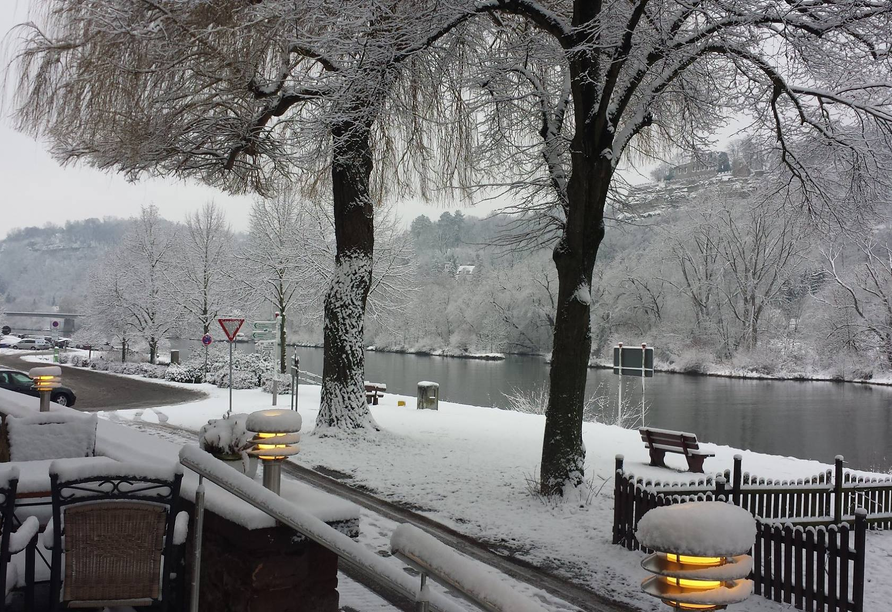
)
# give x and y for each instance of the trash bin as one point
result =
(428, 395)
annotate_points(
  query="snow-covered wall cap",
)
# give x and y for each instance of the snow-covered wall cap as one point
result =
(46, 418)
(8, 475)
(66, 471)
(427, 383)
(274, 421)
(703, 529)
(45, 371)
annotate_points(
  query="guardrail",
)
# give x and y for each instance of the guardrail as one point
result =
(354, 555)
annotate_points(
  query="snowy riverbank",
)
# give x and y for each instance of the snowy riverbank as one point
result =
(471, 468)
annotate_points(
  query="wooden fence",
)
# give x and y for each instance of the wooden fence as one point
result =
(809, 549)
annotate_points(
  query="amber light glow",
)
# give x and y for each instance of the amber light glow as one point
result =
(270, 447)
(688, 583)
(688, 560)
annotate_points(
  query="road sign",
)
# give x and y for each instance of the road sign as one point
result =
(206, 339)
(627, 361)
(231, 327)
(265, 331)
(55, 324)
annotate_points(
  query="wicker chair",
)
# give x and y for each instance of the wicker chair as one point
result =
(14, 541)
(118, 544)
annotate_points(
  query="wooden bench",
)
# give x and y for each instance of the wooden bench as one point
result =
(373, 392)
(662, 441)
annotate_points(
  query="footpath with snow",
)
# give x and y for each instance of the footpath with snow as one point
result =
(473, 469)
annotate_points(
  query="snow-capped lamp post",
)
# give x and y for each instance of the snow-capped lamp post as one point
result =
(702, 558)
(45, 380)
(274, 441)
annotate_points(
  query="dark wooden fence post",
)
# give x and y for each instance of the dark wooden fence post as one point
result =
(720, 488)
(738, 475)
(618, 501)
(860, 544)
(837, 491)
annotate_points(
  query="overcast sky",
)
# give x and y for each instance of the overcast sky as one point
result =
(35, 189)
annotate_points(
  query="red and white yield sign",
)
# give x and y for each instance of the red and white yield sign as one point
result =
(230, 327)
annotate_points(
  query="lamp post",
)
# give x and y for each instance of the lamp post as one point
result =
(274, 441)
(45, 380)
(701, 561)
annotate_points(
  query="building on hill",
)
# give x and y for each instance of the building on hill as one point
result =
(703, 166)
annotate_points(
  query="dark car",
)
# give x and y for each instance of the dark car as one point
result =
(14, 380)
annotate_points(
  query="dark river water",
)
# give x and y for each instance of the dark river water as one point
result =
(810, 420)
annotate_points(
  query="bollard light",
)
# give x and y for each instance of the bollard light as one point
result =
(701, 561)
(45, 380)
(275, 439)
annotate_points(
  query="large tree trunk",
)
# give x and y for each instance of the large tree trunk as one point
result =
(343, 392)
(563, 452)
(283, 347)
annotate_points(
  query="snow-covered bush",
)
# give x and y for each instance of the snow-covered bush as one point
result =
(240, 380)
(693, 361)
(226, 436)
(186, 373)
(284, 383)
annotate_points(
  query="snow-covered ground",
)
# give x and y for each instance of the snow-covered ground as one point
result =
(473, 468)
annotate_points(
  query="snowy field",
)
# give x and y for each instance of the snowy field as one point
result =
(471, 468)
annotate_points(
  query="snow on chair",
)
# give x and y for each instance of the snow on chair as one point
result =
(15, 541)
(51, 435)
(113, 535)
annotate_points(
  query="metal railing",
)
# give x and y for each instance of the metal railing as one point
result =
(354, 555)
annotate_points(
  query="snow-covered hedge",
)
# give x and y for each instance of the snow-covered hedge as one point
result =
(185, 373)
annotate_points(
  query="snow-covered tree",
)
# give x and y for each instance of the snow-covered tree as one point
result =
(594, 83)
(201, 272)
(274, 266)
(243, 96)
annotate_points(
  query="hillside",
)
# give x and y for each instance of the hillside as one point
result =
(46, 267)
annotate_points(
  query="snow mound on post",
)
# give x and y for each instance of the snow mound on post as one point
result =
(274, 421)
(705, 529)
(474, 577)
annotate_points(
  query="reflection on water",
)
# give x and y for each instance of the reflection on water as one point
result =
(813, 420)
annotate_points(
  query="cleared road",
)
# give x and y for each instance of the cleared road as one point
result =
(100, 391)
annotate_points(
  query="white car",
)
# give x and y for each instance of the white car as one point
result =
(32, 344)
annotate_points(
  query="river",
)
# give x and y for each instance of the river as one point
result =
(810, 420)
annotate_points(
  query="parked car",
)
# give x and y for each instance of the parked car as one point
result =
(15, 380)
(9, 341)
(63, 342)
(33, 344)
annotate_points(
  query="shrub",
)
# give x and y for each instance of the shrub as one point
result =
(183, 374)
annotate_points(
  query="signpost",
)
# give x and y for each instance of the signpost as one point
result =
(267, 332)
(632, 361)
(206, 341)
(55, 341)
(230, 328)
(295, 372)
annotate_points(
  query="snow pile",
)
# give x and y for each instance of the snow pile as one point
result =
(705, 529)
(274, 421)
(477, 579)
(7, 475)
(51, 435)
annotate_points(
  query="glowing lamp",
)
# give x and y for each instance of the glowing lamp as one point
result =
(45, 380)
(702, 561)
(275, 439)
